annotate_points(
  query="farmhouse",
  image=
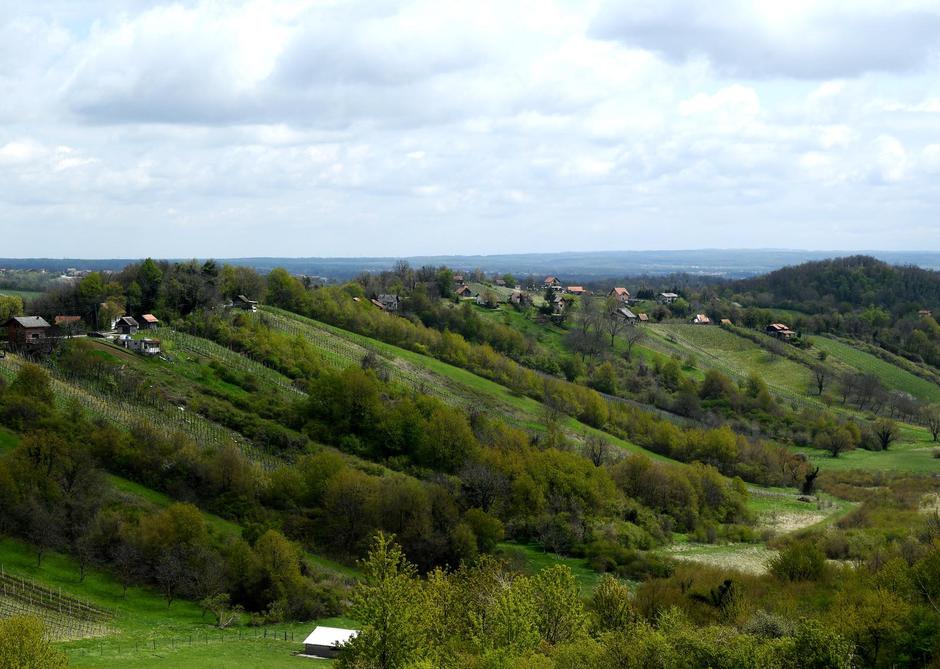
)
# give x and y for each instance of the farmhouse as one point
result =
(667, 298)
(127, 325)
(325, 642)
(576, 290)
(553, 283)
(149, 322)
(520, 299)
(389, 302)
(465, 292)
(242, 302)
(26, 331)
(628, 316)
(701, 319)
(780, 331)
(621, 294)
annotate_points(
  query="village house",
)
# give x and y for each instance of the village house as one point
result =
(520, 299)
(924, 313)
(621, 294)
(242, 302)
(149, 322)
(667, 298)
(628, 316)
(389, 302)
(643, 318)
(127, 325)
(576, 290)
(325, 642)
(26, 331)
(701, 319)
(780, 331)
(553, 283)
(458, 278)
(465, 292)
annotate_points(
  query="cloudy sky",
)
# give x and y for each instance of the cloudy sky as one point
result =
(317, 128)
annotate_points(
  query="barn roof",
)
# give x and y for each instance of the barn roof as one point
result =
(329, 636)
(29, 321)
(150, 318)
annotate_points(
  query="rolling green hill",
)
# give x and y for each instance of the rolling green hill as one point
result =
(452, 384)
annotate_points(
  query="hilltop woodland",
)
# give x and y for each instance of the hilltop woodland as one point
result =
(633, 447)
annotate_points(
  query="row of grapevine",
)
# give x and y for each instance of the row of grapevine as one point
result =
(736, 372)
(340, 352)
(162, 416)
(65, 617)
(205, 348)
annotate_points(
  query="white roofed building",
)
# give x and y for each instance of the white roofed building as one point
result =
(326, 641)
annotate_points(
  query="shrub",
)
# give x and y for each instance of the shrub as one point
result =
(800, 561)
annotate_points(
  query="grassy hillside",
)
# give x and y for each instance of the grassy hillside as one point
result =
(452, 384)
(891, 375)
(721, 349)
(147, 633)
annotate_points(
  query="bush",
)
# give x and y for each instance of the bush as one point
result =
(800, 561)
(23, 646)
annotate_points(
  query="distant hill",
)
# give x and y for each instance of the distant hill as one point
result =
(856, 281)
(571, 266)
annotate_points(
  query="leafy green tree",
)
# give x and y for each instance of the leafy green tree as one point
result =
(886, 431)
(23, 645)
(10, 305)
(149, 278)
(611, 605)
(559, 615)
(389, 605)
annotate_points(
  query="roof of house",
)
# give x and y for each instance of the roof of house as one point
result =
(626, 313)
(242, 298)
(28, 321)
(377, 303)
(150, 318)
(329, 636)
(702, 318)
(779, 327)
(575, 289)
(726, 321)
(669, 295)
(643, 317)
(127, 320)
(64, 320)
(550, 279)
(620, 292)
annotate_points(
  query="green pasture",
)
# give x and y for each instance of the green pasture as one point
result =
(891, 375)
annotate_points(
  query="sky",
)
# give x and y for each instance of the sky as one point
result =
(370, 128)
